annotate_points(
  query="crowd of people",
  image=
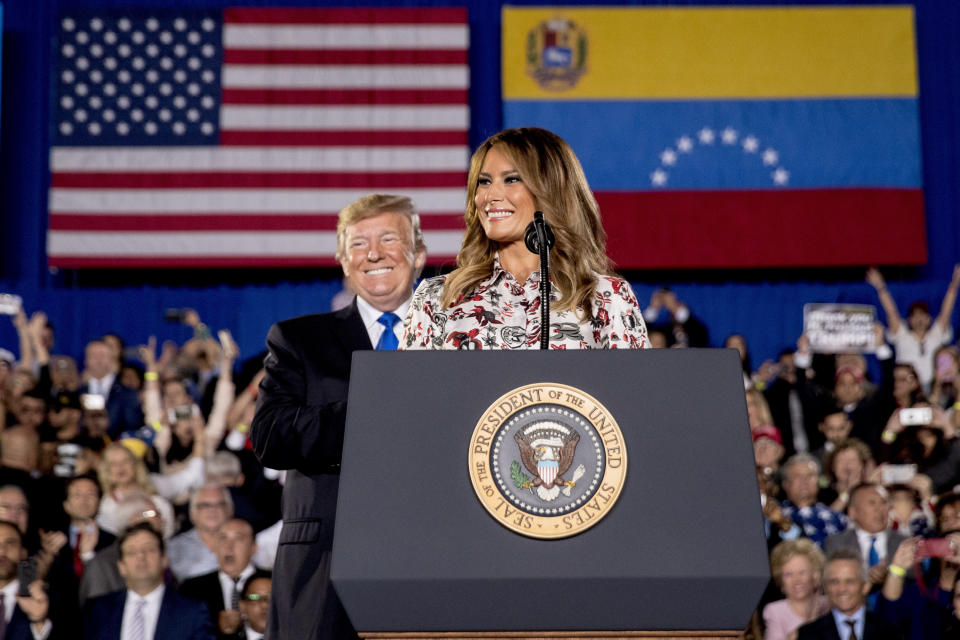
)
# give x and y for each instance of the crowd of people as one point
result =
(137, 498)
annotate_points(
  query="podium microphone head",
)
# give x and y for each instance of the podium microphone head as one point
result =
(532, 239)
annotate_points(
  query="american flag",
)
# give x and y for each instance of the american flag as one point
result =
(233, 137)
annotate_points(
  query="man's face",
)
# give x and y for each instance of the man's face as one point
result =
(869, 510)
(848, 389)
(235, 547)
(141, 562)
(211, 510)
(844, 586)
(257, 603)
(97, 422)
(11, 552)
(767, 452)
(787, 370)
(379, 260)
(14, 508)
(83, 500)
(32, 411)
(175, 395)
(800, 483)
(98, 360)
(836, 427)
(64, 418)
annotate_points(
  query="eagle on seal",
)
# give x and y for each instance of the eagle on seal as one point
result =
(547, 450)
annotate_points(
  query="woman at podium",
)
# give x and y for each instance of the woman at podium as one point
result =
(492, 299)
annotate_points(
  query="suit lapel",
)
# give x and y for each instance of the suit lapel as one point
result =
(351, 329)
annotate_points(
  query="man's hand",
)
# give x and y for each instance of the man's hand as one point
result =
(148, 353)
(36, 605)
(876, 575)
(52, 541)
(905, 553)
(229, 622)
(89, 539)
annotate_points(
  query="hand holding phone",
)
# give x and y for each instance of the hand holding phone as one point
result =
(26, 575)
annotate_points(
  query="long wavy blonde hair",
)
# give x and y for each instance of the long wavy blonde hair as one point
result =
(550, 170)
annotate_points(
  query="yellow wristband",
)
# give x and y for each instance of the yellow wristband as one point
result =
(900, 572)
(242, 428)
(157, 425)
(956, 406)
(151, 375)
(888, 436)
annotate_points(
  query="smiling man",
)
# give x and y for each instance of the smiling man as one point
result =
(301, 408)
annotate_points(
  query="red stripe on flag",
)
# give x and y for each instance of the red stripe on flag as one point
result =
(344, 96)
(256, 180)
(65, 221)
(345, 56)
(253, 15)
(770, 228)
(358, 138)
(189, 262)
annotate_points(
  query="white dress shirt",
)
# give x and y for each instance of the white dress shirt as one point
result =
(863, 539)
(369, 315)
(102, 385)
(226, 584)
(151, 612)
(251, 634)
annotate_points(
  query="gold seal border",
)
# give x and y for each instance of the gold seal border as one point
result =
(572, 522)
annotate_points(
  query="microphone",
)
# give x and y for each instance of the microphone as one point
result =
(539, 239)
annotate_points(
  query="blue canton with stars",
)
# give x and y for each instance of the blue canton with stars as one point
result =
(149, 78)
(817, 522)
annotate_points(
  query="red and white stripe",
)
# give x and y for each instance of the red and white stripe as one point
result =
(319, 107)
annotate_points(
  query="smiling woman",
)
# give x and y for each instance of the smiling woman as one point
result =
(491, 299)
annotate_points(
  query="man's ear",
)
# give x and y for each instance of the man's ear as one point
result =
(420, 259)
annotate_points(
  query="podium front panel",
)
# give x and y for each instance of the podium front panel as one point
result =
(683, 547)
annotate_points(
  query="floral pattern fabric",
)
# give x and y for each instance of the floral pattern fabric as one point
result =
(502, 313)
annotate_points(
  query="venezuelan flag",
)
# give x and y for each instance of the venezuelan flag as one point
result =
(732, 137)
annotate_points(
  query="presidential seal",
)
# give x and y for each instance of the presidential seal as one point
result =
(547, 460)
(556, 54)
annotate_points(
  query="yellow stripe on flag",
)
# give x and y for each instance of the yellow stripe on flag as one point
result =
(677, 53)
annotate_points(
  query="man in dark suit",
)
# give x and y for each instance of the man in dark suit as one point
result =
(146, 604)
(848, 619)
(221, 590)
(21, 618)
(122, 403)
(869, 533)
(301, 407)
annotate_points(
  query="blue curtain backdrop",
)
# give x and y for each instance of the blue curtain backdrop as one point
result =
(765, 306)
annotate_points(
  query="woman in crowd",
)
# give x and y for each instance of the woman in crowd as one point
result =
(121, 474)
(491, 300)
(797, 568)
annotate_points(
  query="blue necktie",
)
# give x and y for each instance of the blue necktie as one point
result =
(873, 558)
(388, 339)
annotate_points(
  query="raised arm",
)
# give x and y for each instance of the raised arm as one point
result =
(886, 300)
(949, 300)
(223, 394)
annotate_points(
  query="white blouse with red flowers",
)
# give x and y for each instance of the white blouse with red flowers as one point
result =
(503, 314)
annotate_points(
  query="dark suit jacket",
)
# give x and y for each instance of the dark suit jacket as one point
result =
(206, 589)
(824, 628)
(299, 425)
(180, 618)
(123, 408)
(19, 628)
(847, 539)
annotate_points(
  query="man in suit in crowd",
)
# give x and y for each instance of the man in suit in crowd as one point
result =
(844, 580)
(100, 373)
(220, 590)
(146, 608)
(255, 605)
(301, 408)
(21, 617)
(869, 535)
(84, 536)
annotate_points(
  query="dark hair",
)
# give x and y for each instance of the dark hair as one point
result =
(918, 305)
(853, 555)
(15, 528)
(134, 529)
(945, 501)
(259, 574)
(86, 476)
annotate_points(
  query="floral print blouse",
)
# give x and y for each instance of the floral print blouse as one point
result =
(502, 313)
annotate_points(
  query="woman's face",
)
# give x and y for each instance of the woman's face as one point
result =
(848, 468)
(799, 579)
(120, 468)
(503, 202)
